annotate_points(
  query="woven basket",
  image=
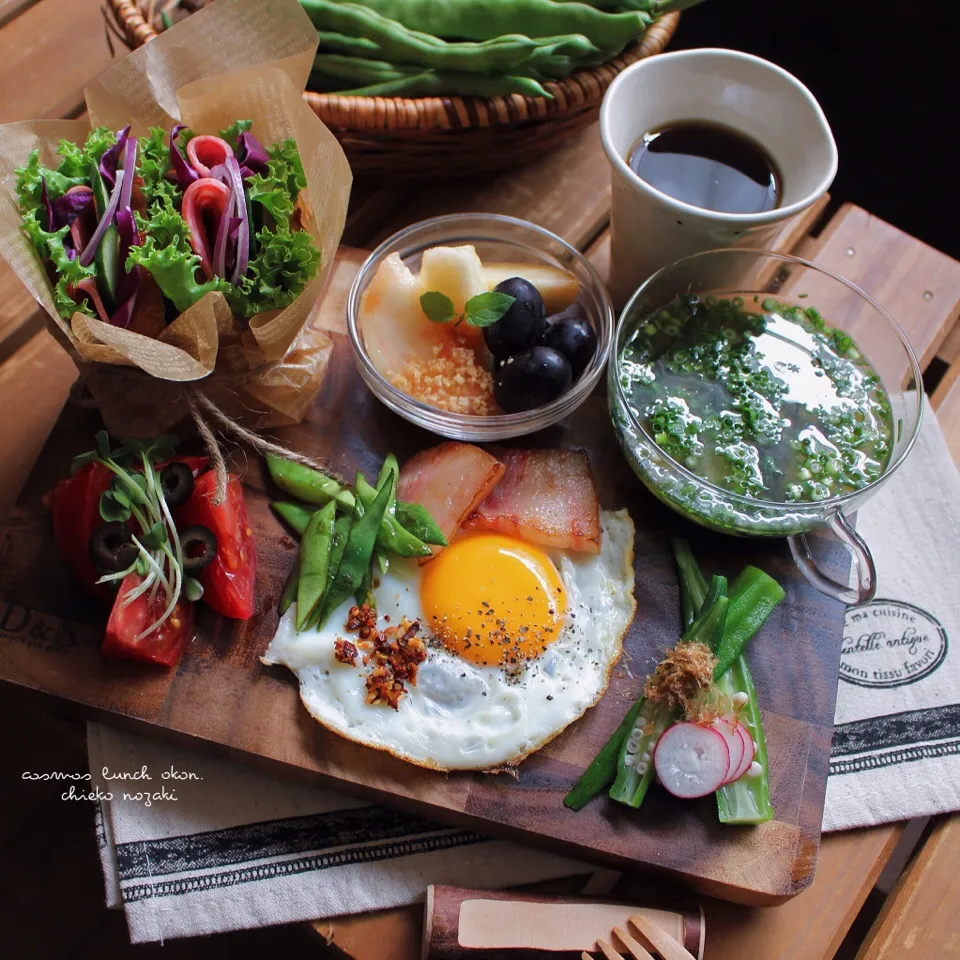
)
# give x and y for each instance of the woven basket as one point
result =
(417, 138)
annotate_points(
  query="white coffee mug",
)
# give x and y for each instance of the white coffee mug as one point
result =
(651, 229)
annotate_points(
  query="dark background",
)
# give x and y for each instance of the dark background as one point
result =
(887, 78)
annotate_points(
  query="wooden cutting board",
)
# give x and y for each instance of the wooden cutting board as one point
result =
(222, 698)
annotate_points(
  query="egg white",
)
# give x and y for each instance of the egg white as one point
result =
(463, 716)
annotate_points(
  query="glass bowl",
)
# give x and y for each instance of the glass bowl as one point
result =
(496, 238)
(843, 305)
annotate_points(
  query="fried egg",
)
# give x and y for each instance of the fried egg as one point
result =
(520, 641)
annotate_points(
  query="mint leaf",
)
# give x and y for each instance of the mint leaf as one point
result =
(487, 308)
(437, 306)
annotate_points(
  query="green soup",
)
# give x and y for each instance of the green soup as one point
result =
(762, 399)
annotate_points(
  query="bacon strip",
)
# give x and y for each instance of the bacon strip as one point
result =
(206, 152)
(204, 198)
(546, 497)
(449, 481)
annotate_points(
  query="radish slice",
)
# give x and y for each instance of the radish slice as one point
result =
(206, 152)
(691, 760)
(728, 730)
(748, 753)
(204, 196)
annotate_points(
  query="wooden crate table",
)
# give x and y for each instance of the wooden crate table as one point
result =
(567, 192)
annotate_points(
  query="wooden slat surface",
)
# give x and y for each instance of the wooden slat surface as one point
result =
(50, 52)
(920, 917)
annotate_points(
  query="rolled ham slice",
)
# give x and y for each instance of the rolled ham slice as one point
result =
(205, 203)
(206, 152)
(88, 286)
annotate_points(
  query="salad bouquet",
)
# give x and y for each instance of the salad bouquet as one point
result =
(180, 239)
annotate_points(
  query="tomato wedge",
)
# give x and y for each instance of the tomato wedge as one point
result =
(75, 512)
(165, 645)
(229, 580)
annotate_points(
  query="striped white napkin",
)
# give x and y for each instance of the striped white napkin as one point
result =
(238, 849)
(896, 739)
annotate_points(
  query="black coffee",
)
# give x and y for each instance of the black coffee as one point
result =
(708, 165)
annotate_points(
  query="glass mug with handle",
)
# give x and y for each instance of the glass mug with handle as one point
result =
(745, 94)
(769, 282)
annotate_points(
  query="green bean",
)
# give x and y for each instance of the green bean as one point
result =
(307, 484)
(332, 42)
(290, 590)
(436, 84)
(295, 515)
(314, 562)
(392, 536)
(400, 44)
(357, 554)
(417, 520)
(359, 69)
(477, 20)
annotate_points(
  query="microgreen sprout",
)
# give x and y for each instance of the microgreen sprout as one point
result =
(137, 493)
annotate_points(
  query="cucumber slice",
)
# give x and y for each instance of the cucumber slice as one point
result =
(107, 258)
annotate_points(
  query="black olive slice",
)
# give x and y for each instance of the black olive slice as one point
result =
(112, 548)
(176, 480)
(199, 546)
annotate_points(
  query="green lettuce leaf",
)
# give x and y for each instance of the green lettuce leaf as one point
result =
(167, 255)
(153, 165)
(286, 262)
(78, 160)
(277, 191)
(29, 183)
(232, 133)
(50, 247)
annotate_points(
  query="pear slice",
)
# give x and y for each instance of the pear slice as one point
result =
(394, 327)
(558, 288)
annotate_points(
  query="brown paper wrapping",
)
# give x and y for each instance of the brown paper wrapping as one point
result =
(235, 59)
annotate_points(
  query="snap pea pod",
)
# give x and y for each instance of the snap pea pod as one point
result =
(295, 515)
(389, 473)
(392, 536)
(400, 44)
(332, 42)
(359, 69)
(314, 562)
(655, 8)
(449, 83)
(341, 533)
(478, 20)
(290, 590)
(307, 484)
(357, 554)
(417, 520)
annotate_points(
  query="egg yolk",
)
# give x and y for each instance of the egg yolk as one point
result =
(493, 600)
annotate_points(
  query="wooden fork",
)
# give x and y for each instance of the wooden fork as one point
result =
(665, 945)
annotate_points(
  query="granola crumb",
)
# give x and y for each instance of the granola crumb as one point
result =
(450, 380)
